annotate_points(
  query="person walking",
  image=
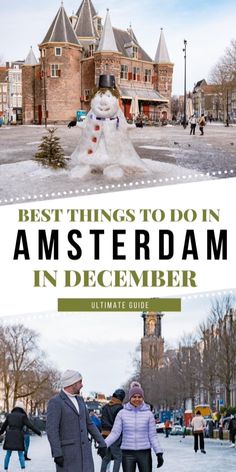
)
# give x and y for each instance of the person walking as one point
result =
(14, 439)
(193, 124)
(137, 425)
(68, 425)
(109, 412)
(26, 442)
(167, 427)
(202, 123)
(232, 430)
(198, 424)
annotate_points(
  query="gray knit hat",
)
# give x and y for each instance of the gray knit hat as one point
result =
(70, 377)
(135, 389)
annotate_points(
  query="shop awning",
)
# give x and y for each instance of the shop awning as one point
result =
(142, 94)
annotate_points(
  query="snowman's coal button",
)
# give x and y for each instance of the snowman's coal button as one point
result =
(90, 151)
(97, 128)
(94, 139)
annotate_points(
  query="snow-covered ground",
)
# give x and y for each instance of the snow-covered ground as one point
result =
(171, 154)
(178, 456)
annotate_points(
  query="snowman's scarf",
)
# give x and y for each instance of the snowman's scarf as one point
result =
(94, 117)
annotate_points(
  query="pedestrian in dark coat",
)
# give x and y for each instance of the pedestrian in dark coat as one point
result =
(109, 412)
(232, 430)
(14, 439)
(68, 425)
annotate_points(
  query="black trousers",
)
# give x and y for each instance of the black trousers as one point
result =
(142, 459)
(232, 435)
(201, 440)
(192, 128)
(201, 130)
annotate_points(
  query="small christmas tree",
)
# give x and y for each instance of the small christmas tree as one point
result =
(50, 152)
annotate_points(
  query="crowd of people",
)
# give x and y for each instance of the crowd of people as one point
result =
(125, 432)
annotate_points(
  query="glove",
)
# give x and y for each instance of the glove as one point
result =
(160, 460)
(102, 451)
(59, 461)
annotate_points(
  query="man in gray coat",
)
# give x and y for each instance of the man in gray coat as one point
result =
(68, 425)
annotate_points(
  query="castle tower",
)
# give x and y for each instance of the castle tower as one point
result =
(31, 59)
(30, 87)
(60, 70)
(152, 343)
(163, 74)
(152, 354)
(107, 57)
(87, 27)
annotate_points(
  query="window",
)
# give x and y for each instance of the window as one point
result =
(86, 95)
(124, 71)
(147, 75)
(91, 49)
(135, 52)
(136, 73)
(55, 70)
(98, 23)
(58, 51)
(43, 53)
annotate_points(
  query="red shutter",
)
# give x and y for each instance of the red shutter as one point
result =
(138, 77)
(58, 72)
(154, 79)
(129, 75)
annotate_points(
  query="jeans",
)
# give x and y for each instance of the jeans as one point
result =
(142, 458)
(201, 439)
(26, 443)
(113, 453)
(8, 456)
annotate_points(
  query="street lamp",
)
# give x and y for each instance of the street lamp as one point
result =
(44, 92)
(185, 98)
(227, 108)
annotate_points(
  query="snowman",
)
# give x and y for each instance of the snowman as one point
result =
(105, 147)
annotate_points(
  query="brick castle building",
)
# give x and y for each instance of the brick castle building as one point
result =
(75, 51)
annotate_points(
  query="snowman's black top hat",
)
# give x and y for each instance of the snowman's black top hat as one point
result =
(107, 81)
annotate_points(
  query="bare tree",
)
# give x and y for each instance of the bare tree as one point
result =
(223, 318)
(224, 75)
(22, 365)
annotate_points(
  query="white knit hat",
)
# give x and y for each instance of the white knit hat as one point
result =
(19, 404)
(70, 377)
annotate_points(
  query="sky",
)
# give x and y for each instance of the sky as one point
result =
(207, 25)
(104, 346)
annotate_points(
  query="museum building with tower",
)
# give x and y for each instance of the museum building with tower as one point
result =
(73, 54)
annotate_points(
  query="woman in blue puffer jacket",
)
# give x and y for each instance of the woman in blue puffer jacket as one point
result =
(137, 425)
